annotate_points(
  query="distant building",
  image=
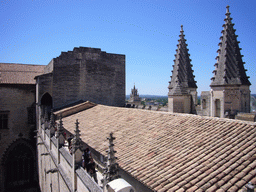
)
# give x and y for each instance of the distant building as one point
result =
(134, 97)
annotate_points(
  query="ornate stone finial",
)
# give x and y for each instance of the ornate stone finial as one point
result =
(181, 31)
(227, 13)
(77, 140)
(227, 8)
(111, 171)
(77, 135)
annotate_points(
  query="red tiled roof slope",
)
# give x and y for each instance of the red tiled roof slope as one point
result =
(173, 152)
(11, 73)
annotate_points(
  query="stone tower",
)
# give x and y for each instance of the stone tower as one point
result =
(182, 96)
(230, 87)
(134, 96)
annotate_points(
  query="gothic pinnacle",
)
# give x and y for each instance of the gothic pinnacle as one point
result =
(227, 8)
(181, 31)
(227, 12)
(229, 69)
(182, 79)
(77, 140)
(77, 129)
(111, 171)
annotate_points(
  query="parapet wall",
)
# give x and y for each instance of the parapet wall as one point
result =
(57, 168)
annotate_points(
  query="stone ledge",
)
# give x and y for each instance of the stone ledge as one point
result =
(87, 180)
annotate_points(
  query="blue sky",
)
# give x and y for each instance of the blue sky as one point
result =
(147, 32)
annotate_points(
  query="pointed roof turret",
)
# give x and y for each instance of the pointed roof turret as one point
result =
(60, 128)
(77, 142)
(182, 75)
(111, 171)
(229, 69)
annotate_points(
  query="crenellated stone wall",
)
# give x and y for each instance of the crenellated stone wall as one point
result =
(84, 74)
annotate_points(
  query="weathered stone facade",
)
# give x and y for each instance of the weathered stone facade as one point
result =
(18, 123)
(84, 74)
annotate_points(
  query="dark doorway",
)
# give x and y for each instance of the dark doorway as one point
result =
(46, 104)
(20, 167)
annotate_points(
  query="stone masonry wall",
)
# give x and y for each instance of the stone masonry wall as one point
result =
(16, 100)
(89, 74)
(45, 85)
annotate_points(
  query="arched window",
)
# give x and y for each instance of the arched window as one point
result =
(46, 99)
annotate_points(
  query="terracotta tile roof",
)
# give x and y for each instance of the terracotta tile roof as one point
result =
(173, 152)
(11, 73)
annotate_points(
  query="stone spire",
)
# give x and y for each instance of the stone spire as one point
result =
(60, 128)
(182, 78)
(77, 140)
(229, 69)
(111, 171)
